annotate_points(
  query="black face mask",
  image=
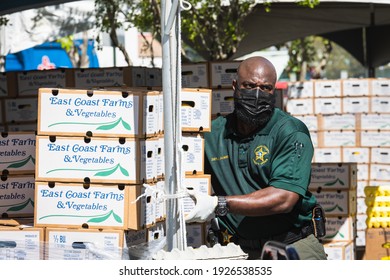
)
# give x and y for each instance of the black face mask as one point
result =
(253, 106)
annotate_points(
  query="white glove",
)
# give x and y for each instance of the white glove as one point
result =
(204, 207)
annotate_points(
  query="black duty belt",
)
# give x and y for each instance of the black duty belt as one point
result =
(288, 237)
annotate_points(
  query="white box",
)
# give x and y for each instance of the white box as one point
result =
(198, 183)
(21, 243)
(374, 138)
(380, 87)
(195, 110)
(327, 155)
(338, 122)
(327, 88)
(311, 121)
(380, 104)
(222, 102)
(195, 75)
(356, 154)
(337, 202)
(343, 138)
(77, 205)
(195, 235)
(340, 228)
(336, 176)
(17, 196)
(17, 152)
(131, 113)
(340, 250)
(223, 73)
(83, 244)
(380, 172)
(30, 81)
(363, 171)
(300, 106)
(380, 155)
(303, 89)
(21, 109)
(314, 138)
(355, 87)
(374, 121)
(192, 154)
(356, 105)
(327, 105)
(90, 160)
(89, 78)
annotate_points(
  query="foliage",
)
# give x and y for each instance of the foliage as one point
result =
(212, 29)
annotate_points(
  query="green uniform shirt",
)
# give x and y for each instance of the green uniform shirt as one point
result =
(278, 155)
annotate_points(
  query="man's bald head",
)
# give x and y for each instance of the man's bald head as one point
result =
(258, 69)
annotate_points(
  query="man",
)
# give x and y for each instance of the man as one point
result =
(259, 158)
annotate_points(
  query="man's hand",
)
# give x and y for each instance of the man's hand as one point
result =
(204, 207)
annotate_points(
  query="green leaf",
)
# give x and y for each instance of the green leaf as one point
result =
(99, 219)
(108, 126)
(124, 171)
(19, 207)
(126, 125)
(117, 218)
(331, 183)
(19, 164)
(106, 173)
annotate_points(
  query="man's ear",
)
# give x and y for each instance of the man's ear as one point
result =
(234, 84)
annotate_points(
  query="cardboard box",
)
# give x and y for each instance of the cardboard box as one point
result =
(195, 75)
(311, 121)
(198, 183)
(21, 243)
(192, 154)
(340, 228)
(337, 202)
(340, 250)
(83, 244)
(337, 122)
(300, 106)
(380, 87)
(337, 138)
(331, 105)
(380, 104)
(377, 244)
(30, 81)
(333, 176)
(23, 127)
(355, 105)
(302, 89)
(380, 155)
(21, 109)
(327, 88)
(132, 112)
(153, 77)
(374, 138)
(355, 87)
(222, 73)
(222, 102)
(356, 154)
(17, 152)
(90, 160)
(324, 155)
(374, 121)
(135, 237)
(17, 196)
(8, 85)
(94, 78)
(379, 171)
(83, 206)
(195, 110)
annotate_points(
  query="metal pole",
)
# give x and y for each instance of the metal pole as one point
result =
(175, 235)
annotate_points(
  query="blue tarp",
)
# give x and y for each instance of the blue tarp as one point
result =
(49, 55)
